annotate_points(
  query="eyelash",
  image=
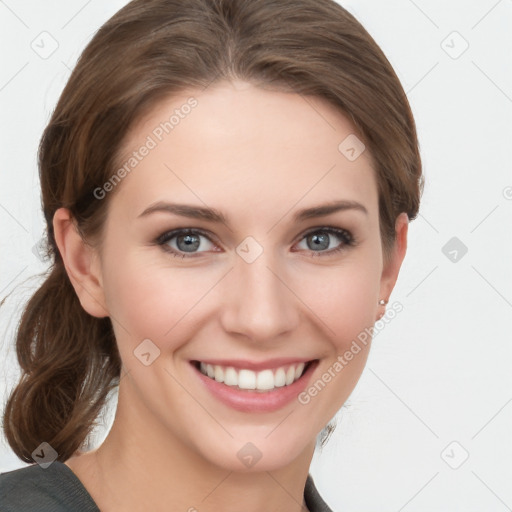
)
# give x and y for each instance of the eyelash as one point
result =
(348, 240)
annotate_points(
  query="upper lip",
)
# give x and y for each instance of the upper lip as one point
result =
(269, 364)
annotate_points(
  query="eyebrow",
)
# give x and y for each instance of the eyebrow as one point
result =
(214, 215)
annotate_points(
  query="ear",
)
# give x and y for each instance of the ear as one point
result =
(392, 266)
(81, 262)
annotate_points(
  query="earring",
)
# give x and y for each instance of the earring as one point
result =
(382, 302)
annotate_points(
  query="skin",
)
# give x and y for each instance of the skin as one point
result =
(258, 156)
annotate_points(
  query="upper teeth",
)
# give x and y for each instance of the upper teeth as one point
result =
(248, 379)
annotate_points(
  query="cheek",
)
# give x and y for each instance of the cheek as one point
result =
(344, 298)
(149, 300)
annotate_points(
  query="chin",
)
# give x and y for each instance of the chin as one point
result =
(259, 453)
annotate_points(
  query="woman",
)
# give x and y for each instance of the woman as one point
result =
(227, 186)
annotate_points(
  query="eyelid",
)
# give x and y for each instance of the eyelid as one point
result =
(329, 229)
(164, 238)
(167, 235)
(345, 235)
(341, 233)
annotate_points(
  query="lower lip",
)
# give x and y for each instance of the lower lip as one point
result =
(257, 401)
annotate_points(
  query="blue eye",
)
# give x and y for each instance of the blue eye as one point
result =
(320, 239)
(185, 243)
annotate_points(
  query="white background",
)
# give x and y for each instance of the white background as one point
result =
(440, 371)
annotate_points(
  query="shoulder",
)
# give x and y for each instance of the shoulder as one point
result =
(312, 497)
(34, 488)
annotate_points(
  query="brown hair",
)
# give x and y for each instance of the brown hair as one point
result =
(147, 51)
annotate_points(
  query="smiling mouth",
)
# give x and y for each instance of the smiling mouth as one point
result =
(245, 379)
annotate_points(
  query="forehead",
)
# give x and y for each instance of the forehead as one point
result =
(237, 147)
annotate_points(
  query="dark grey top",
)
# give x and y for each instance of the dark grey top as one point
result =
(58, 489)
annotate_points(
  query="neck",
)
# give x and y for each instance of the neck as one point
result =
(145, 467)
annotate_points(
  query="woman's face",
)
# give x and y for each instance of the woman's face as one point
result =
(266, 286)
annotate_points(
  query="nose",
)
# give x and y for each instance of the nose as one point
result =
(257, 300)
